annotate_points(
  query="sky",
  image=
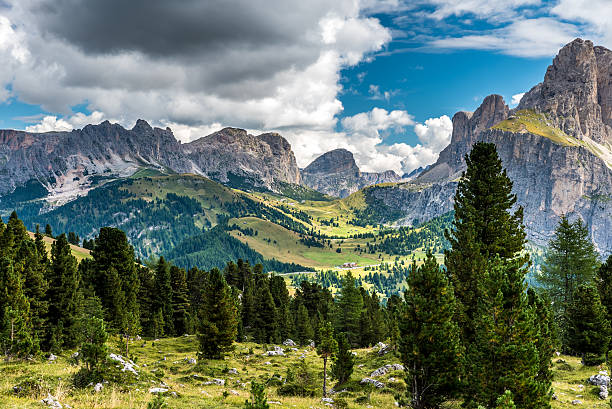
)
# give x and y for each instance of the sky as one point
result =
(380, 78)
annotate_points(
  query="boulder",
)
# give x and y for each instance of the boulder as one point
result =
(374, 382)
(599, 380)
(128, 365)
(603, 392)
(52, 358)
(158, 390)
(52, 402)
(98, 387)
(383, 370)
(289, 343)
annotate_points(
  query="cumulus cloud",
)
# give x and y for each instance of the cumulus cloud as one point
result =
(435, 133)
(516, 98)
(197, 67)
(53, 123)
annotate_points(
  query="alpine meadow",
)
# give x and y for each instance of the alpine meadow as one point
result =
(310, 216)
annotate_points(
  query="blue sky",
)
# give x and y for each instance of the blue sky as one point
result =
(379, 77)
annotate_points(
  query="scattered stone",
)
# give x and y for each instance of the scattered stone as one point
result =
(191, 361)
(289, 343)
(233, 371)
(554, 396)
(277, 351)
(328, 400)
(267, 363)
(52, 402)
(98, 387)
(233, 392)
(52, 358)
(374, 382)
(158, 390)
(295, 350)
(603, 392)
(599, 380)
(215, 381)
(311, 344)
(274, 402)
(383, 370)
(75, 355)
(561, 361)
(128, 365)
(576, 402)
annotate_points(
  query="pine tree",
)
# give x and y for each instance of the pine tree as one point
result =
(546, 335)
(258, 397)
(48, 231)
(63, 295)
(350, 305)
(571, 260)
(588, 329)
(266, 314)
(482, 229)
(343, 361)
(180, 300)
(303, 327)
(429, 343)
(93, 347)
(218, 317)
(326, 348)
(604, 286)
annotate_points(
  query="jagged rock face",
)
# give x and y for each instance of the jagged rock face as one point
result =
(230, 152)
(549, 179)
(576, 92)
(68, 164)
(335, 173)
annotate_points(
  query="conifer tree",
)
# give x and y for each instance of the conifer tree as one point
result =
(326, 348)
(266, 313)
(63, 295)
(258, 397)
(604, 286)
(483, 227)
(546, 335)
(218, 317)
(303, 327)
(429, 343)
(93, 347)
(180, 300)
(350, 305)
(571, 260)
(48, 231)
(343, 361)
(588, 329)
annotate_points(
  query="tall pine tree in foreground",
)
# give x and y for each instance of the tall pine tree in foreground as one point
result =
(218, 320)
(588, 328)
(487, 265)
(429, 342)
(604, 286)
(571, 260)
(326, 348)
(343, 361)
(350, 306)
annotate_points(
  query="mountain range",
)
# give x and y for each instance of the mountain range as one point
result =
(556, 146)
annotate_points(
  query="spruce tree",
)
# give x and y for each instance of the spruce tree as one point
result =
(180, 300)
(63, 295)
(163, 291)
(266, 314)
(350, 305)
(429, 343)
(326, 348)
(258, 397)
(483, 228)
(604, 286)
(303, 326)
(546, 335)
(571, 260)
(343, 361)
(218, 317)
(588, 328)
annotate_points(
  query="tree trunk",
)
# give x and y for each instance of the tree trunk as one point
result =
(127, 344)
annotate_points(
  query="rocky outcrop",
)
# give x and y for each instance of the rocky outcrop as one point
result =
(336, 173)
(63, 165)
(550, 177)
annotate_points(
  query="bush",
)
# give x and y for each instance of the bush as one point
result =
(593, 359)
(300, 382)
(32, 387)
(158, 402)
(258, 396)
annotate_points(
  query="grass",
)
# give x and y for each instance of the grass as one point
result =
(527, 120)
(163, 362)
(78, 252)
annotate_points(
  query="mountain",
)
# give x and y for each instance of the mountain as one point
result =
(336, 173)
(556, 146)
(59, 166)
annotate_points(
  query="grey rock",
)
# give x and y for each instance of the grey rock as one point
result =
(603, 392)
(374, 382)
(98, 387)
(599, 379)
(383, 370)
(336, 173)
(289, 343)
(52, 402)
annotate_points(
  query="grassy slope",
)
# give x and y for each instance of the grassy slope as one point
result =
(191, 393)
(79, 252)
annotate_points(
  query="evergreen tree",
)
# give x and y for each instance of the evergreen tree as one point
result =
(303, 327)
(115, 277)
(326, 348)
(350, 304)
(218, 317)
(93, 347)
(546, 335)
(571, 260)
(483, 228)
(266, 314)
(588, 329)
(343, 361)
(180, 300)
(429, 342)
(48, 231)
(63, 295)
(604, 286)
(258, 397)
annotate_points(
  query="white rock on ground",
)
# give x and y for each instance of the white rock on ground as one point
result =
(374, 382)
(128, 365)
(52, 402)
(603, 392)
(599, 379)
(289, 343)
(383, 370)
(158, 390)
(98, 387)
(52, 358)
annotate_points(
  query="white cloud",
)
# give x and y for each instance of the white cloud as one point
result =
(516, 98)
(53, 123)
(538, 37)
(489, 9)
(594, 14)
(435, 133)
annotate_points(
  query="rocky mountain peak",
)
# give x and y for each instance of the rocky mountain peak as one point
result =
(142, 126)
(335, 161)
(576, 93)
